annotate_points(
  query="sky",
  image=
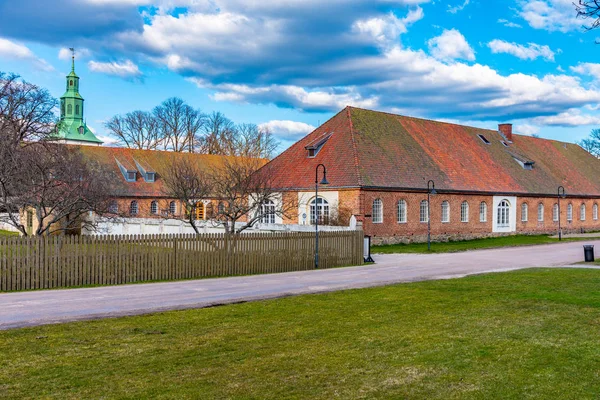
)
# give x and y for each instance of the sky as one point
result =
(290, 65)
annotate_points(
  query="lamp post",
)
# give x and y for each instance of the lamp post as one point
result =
(430, 191)
(323, 182)
(561, 193)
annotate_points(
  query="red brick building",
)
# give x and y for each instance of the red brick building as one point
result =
(487, 182)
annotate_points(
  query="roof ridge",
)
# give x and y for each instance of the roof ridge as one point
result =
(354, 149)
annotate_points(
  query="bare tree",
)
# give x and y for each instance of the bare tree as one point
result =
(183, 180)
(589, 9)
(245, 196)
(136, 130)
(179, 124)
(592, 143)
(217, 131)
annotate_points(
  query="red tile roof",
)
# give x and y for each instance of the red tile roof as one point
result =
(376, 149)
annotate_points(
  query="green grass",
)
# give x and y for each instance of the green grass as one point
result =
(517, 335)
(464, 245)
(8, 233)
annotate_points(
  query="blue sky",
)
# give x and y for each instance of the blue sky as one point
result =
(291, 65)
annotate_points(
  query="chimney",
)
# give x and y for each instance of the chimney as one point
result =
(506, 130)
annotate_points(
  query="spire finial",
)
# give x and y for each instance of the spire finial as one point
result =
(72, 58)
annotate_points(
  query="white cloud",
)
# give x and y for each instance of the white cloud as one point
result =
(591, 69)
(65, 53)
(450, 45)
(569, 118)
(125, 69)
(15, 51)
(529, 52)
(286, 129)
(387, 29)
(460, 7)
(526, 129)
(550, 15)
(509, 24)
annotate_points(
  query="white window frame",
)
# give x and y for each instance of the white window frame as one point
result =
(154, 207)
(445, 211)
(172, 208)
(582, 212)
(503, 214)
(595, 212)
(555, 210)
(113, 207)
(401, 211)
(524, 212)
(483, 211)
(569, 212)
(377, 211)
(464, 211)
(322, 210)
(540, 212)
(134, 208)
(267, 210)
(423, 211)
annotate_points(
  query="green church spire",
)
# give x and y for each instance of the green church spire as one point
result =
(72, 125)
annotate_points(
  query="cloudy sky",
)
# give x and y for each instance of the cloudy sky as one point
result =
(292, 64)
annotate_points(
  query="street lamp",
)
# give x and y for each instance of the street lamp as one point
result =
(561, 193)
(430, 191)
(323, 182)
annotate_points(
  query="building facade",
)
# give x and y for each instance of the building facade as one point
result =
(487, 182)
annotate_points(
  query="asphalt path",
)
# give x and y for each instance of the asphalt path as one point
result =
(22, 309)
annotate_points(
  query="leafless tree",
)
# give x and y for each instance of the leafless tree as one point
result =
(179, 124)
(589, 9)
(592, 143)
(218, 130)
(136, 130)
(185, 181)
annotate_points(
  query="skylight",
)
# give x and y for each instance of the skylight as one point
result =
(483, 139)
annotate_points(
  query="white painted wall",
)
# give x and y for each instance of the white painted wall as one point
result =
(304, 199)
(512, 215)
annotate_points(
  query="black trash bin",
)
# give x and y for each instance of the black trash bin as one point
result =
(588, 252)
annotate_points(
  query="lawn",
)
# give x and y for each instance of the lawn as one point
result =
(7, 233)
(464, 245)
(525, 334)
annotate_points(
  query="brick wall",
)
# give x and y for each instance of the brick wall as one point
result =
(548, 225)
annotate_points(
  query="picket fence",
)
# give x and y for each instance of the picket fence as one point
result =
(70, 261)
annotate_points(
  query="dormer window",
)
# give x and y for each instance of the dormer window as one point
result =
(81, 130)
(315, 146)
(146, 171)
(131, 176)
(150, 176)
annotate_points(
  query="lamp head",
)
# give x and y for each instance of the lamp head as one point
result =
(433, 191)
(324, 181)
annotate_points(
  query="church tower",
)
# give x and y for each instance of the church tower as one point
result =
(72, 127)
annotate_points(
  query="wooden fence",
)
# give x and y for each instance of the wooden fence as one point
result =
(67, 261)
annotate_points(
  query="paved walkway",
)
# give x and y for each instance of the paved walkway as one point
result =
(53, 306)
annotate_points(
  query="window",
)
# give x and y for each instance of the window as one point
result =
(484, 139)
(267, 212)
(401, 211)
(319, 207)
(504, 143)
(221, 208)
(77, 109)
(540, 212)
(133, 208)
(555, 212)
(154, 207)
(199, 211)
(483, 212)
(172, 208)
(595, 212)
(71, 82)
(62, 107)
(570, 212)
(150, 176)
(464, 212)
(582, 212)
(503, 214)
(69, 109)
(445, 211)
(424, 211)
(81, 130)
(131, 176)
(113, 207)
(377, 211)
(524, 212)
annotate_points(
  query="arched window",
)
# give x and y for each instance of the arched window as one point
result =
(319, 207)
(464, 212)
(424, 211)
(570, 212)
(221, 208)
(69, 109)
(199, 211)
(582, 212)
(154, 207)
(555, 212)
(377, 211)
(540, 212)
(113, 207)
(503, 219)
(267, 210)
(483, 212)
(172, 208)
(133, 208)
(445, 211)
(595, 212)
(401, 211)
(71, 82)
(524, 212)
(77, 109)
